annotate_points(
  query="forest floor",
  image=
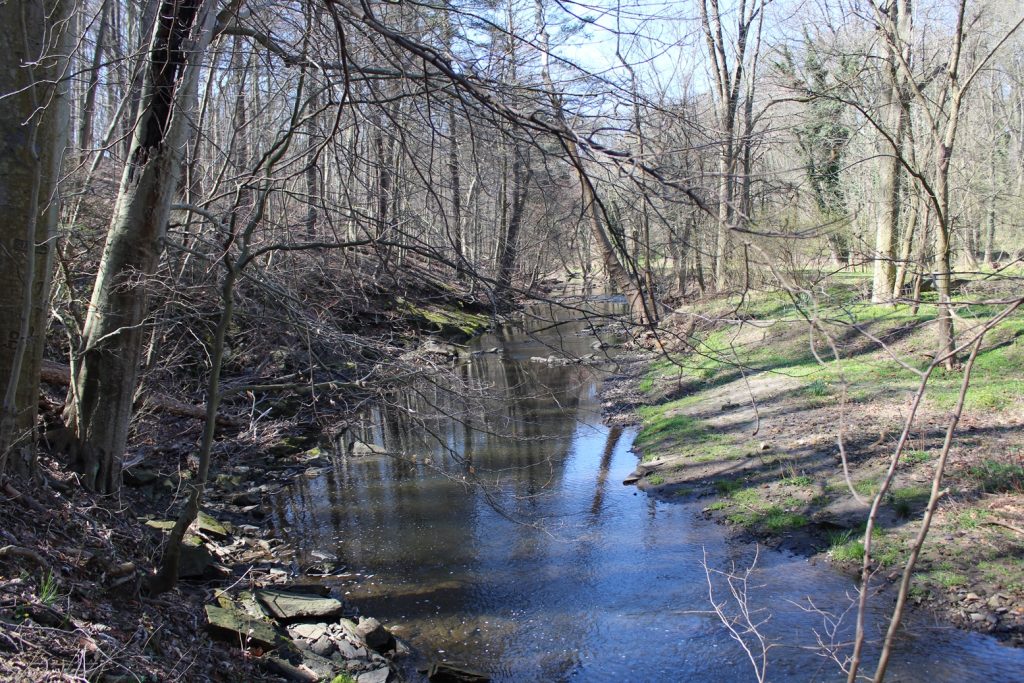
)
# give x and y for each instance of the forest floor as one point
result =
(73, 564)
(741, 414)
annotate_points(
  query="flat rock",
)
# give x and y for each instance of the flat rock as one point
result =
(207, 524)
(347, 650)
(293, 607)
(307, 668)
(139, 476)
(375, 676)
(161, 524)
(236, 626)
(310, 632)
(245, 498)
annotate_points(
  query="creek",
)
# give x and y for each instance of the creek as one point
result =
(509, 544)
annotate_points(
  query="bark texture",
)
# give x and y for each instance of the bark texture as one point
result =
(106, 368)
(33, 133)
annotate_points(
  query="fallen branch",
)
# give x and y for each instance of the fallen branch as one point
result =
(23, 553)
(55, 373)
(995, 522)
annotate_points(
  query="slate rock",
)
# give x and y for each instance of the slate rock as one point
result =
(209, 525)
(347, 650)
(361, 450)
(295, 607)
(323, 646)
(236, 626)
(375, 676)
(310, 632)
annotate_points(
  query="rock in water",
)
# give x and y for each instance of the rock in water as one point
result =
(443, 672)
(375, 635)
(362, 450)
(293, 607)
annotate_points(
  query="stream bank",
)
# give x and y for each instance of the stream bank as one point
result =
(740, 421)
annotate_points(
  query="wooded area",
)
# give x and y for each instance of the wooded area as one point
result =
(212, 202)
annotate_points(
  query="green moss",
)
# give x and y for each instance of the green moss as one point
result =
(447, 320)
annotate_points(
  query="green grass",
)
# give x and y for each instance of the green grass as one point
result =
(907, 500)
(343, 678)
(48, 589)
(749, 497)
(916, 457)
(993, 476)
(777, 519)
(971, 518)
(887, 551)
(727, 486)
(844, 546)
(655, 479)
(866, 487)
(817, 388)
(661, 426)
(945, 578)
(1007, 570)
(798, 480)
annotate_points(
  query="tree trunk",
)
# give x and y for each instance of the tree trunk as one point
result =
(106, 368)
(884, 257)
(455, 179)
(33, 133)
(510, 244)
(85, 136)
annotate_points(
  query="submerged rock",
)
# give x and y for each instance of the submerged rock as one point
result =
(293, 607)
(444, 672)
(361, 449)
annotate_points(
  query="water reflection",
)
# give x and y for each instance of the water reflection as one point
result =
(502, 538)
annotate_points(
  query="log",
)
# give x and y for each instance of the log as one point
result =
(60, 375)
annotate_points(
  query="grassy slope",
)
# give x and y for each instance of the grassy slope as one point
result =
(785, 484)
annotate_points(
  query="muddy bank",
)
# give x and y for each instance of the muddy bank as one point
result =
(759, 453)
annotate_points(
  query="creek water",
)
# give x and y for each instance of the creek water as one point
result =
(505, 540)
